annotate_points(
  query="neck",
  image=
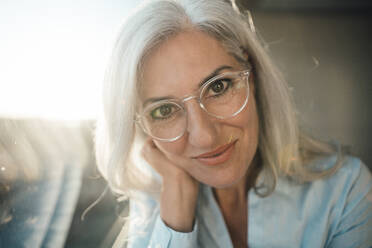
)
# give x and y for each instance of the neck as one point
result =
(234, 195)
(237, 194)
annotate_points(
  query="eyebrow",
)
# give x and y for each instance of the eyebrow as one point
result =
(213, 74)
(210, 76)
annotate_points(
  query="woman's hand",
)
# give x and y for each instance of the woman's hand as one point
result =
(179, 193)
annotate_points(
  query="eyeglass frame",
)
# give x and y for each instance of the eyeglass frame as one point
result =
(181, 103)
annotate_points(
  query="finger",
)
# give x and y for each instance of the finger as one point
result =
(158, 160)
(148, 148)
(154, 156)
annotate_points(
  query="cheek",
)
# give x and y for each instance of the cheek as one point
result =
(251, 133)
(247, 120)
(171, 149)
(253, 118)
(248, 124)
(252, 126)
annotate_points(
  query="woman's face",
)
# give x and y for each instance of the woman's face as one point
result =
(176, 68)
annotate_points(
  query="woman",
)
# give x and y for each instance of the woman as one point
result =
(199, 131)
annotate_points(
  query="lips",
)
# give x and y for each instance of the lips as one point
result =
(217, 156)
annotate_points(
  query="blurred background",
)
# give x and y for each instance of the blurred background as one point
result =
(52, 60)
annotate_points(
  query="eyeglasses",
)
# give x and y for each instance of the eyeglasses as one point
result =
(221, 97)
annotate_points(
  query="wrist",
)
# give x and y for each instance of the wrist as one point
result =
(178, 203)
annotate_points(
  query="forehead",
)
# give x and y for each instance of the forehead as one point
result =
(177, 66)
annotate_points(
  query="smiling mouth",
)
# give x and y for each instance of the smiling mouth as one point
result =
(217, 156)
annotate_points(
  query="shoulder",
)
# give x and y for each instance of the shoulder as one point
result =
(352, 180)
(332, 198)
(336, 208)
(351, 166)
(347, 196)
(350, 184)
(351, 173)
(352, 176)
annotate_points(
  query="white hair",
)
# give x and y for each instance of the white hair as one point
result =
(283, 149)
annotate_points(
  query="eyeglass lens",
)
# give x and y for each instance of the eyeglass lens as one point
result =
(221, 98)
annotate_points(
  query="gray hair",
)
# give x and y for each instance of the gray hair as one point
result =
(284, 150)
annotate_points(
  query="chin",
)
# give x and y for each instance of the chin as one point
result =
(225, 182)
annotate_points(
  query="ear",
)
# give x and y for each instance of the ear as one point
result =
(245, 54)
(249, 60)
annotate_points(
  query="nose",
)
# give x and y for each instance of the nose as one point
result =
(201, 128)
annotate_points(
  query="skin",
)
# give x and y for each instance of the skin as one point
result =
(175, 68)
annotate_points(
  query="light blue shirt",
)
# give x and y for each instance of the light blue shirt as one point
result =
(332, 212)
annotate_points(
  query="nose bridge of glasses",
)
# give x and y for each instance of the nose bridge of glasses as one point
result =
(188, 98)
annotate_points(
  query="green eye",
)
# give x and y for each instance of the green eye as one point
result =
(163, 112)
